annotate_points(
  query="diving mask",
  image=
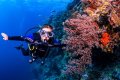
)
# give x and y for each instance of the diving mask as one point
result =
(45, 33)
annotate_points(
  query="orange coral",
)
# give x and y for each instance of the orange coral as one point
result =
(97, 7)
(105, 39)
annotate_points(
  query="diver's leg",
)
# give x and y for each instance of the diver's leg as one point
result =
(25, 52)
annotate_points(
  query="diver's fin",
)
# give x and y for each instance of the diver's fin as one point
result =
(32, 60)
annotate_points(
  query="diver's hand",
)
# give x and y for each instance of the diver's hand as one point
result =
(5, 36)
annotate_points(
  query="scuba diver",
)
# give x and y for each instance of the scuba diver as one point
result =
(39, 43)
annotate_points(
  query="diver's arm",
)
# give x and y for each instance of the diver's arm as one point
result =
(18, 38)
(57, 43)
(6, 37)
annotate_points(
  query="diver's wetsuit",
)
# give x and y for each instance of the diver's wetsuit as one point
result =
(35, 51)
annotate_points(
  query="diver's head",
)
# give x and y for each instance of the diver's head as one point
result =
(46, 32)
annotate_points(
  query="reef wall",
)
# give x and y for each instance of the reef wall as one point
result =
(91, 30)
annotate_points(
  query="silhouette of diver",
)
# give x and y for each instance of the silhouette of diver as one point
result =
(39, 43)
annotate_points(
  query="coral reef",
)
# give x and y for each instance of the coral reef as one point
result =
(91, 30)
(82, 34)
(97, 26)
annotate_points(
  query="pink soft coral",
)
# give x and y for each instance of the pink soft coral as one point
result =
(82, 34)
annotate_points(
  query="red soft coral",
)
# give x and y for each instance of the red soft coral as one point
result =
(105, 39)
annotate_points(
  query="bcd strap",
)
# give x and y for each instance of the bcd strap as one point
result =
(31, 48)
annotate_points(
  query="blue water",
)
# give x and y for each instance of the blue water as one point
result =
(16, 16)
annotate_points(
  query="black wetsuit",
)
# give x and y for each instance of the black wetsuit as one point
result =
(35, 49)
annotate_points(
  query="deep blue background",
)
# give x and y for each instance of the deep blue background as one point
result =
(16, 16)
